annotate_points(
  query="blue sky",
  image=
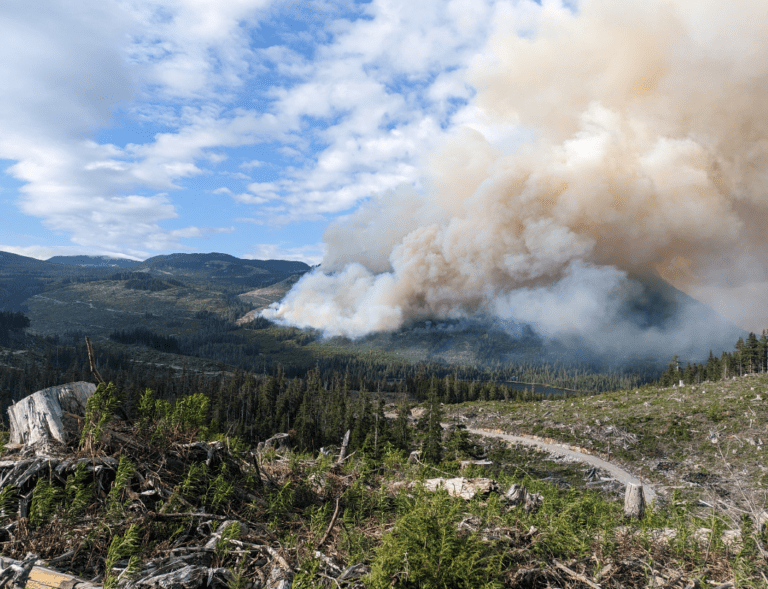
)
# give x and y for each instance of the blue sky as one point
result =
(142, 127)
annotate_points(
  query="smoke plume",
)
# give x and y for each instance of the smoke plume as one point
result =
(649, 157)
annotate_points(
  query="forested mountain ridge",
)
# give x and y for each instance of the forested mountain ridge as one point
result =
(224, 268)
(199, 305)
(97, 261)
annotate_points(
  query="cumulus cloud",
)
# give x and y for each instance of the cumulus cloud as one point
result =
(646, 152)
(309, 254)
(353, 114)
(386, 85)
(70, 66)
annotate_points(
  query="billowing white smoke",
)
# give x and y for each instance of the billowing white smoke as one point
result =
(651, 156)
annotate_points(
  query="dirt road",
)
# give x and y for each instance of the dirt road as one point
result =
(618, 473)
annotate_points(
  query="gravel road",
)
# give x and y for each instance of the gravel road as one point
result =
(618, 473)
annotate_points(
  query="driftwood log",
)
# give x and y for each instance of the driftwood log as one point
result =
(42, 416)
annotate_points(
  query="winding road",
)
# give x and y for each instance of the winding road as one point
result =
(616, 472)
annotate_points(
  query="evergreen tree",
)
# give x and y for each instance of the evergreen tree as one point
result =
(737, 357)
(363, 421)
(714, 370)
(401, 431)
(763, 351)
(688, 374)
(433, 447)
(751, 353)
(305, 424)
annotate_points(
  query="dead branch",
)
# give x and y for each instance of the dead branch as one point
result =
(576, 575)
(330, 526)
(92, 361)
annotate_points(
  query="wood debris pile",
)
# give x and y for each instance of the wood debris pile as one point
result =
(193, 513)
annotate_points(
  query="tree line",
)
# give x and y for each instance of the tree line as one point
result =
(11, 321)
(750, 355)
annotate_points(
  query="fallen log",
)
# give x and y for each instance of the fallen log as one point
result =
(15, 574)
(576, 575)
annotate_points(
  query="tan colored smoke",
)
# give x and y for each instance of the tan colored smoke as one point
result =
(651, 155)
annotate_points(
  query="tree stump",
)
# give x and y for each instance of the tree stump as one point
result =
(634, 501)
(42, 415)
(344, 446)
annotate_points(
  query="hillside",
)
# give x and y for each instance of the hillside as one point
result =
(171, 297)
(98, 261)
(222, 269)
(705, 441)
(190, 506)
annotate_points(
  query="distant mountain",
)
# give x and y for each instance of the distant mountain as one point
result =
(94, 261)
(223, 269)
(9, 261)
(22, 277)
(212, 260)
(654, 322)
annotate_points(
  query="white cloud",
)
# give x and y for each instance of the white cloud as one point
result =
(381, 87)
(68, 66)
(252, 164)
(309, 254)
(385, 84)
(193, 48)
(44, 252)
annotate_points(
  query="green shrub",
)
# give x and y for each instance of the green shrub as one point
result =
(220, 490)
(426, 550)
(78, 493)
(46, 498)
(126, 546)
(99, 410)
(9, 502)
(230, 532)
(190, 412)
(125, 472)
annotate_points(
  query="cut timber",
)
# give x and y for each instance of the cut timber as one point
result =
(41, 416)
(634, 501)
(42, 577)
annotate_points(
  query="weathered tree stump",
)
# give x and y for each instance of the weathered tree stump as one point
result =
(344, 446)
(634, 501)
(42, 416)
(519, 495)
(278, 443)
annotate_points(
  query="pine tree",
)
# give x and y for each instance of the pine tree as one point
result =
(751, 352)
(433, 448)
(401, 431)
(363, 421)
(739, 366)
